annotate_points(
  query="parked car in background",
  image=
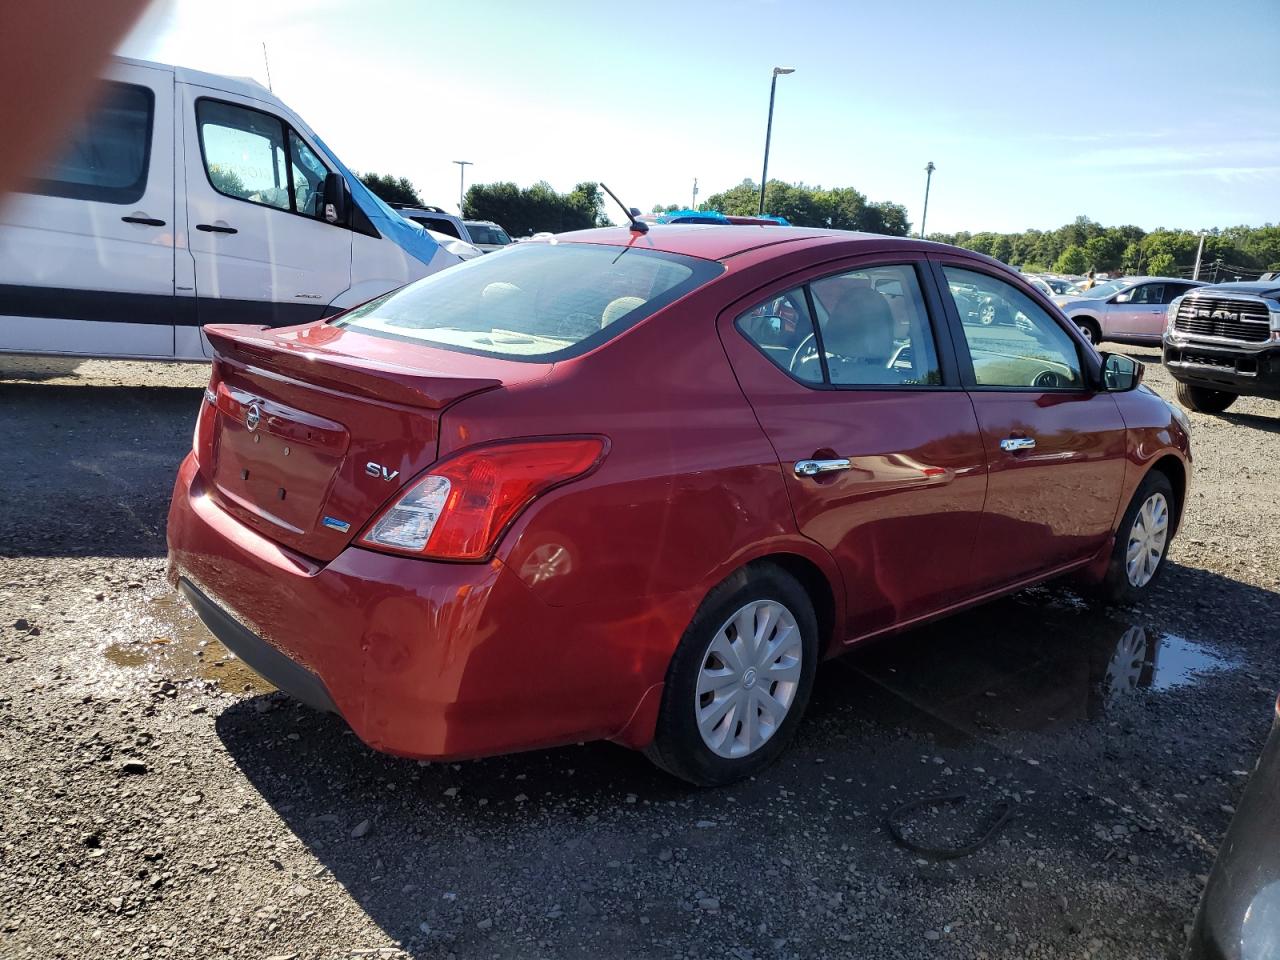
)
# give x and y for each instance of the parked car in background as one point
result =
(1222, 342)
(450, 515)
(487, 235)
(436, 219)
(1239, 915)
(1129, 310)
(1061, 286)
(185, 198)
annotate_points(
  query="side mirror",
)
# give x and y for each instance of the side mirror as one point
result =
(337, 200)
(1121, 373)
(1123, 297)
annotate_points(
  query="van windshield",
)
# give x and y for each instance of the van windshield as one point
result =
(535, 301)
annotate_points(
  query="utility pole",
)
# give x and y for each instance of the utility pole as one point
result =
(694, 205)
(462, 175)
(928, 178)
(268, 65)
(768, 130)
(1199, 253)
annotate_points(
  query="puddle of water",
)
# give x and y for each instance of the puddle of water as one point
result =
(1034, 662)
(167, 639)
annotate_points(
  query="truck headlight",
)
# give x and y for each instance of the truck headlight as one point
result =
(1171, 314)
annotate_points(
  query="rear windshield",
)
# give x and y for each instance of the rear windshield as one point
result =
(483, 233)
(533, 301)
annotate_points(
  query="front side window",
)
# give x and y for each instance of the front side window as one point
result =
(1148, 293)
(1012, 341)
(538, 301)
(782, 330)
(107, 155)
(487, 233)
(256, 156)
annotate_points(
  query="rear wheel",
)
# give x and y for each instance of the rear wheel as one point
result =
(1142, 541)
(1204, 400)
(1090, 329)
(739, 680)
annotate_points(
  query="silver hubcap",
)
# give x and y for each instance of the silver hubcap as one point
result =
(1147, 539)
(749, 677)
(1087, 331)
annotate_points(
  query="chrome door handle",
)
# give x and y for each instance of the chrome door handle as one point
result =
(1011, 444)
(811, 468)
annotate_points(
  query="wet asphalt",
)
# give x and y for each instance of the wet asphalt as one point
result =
(162, 801)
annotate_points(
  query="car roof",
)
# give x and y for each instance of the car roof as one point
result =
(720, 242)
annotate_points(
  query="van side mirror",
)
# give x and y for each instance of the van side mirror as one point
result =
(337, 200)
(1121, 373)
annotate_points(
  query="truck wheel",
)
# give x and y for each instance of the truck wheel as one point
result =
(1204, 400)
(1142, 541)
(739, 680)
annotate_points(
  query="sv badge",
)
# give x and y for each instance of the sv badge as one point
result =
(378, 470)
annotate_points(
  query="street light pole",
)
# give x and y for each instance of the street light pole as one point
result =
(768, 130)
(928, 178)
(1199, 254)
(462, 172)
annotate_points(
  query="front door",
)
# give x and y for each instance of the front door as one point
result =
(87, 249)
(1138, 312)
(878, 443)
(1054, 444)
(263, 252)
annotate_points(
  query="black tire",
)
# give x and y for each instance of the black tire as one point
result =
(1092, 332)
(1204, 400)
(678, 746)
(1116, 586)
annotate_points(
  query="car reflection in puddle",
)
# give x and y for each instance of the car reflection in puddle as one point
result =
(1034, 662)
(167, 640)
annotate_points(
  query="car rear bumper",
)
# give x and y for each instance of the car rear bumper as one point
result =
(422, 659)
(1254, 373)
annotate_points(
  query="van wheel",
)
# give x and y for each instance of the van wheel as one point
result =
(1142, 541)
(739, 680)
(1204, 400)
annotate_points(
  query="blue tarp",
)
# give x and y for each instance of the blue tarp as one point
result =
(406, 234)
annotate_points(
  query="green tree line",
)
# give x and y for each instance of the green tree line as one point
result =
(391, 189)
(839, 208)
(526, 210)
(1084, 245)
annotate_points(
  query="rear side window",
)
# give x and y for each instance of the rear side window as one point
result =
(438, 225)
(484, 233)
(107, 155)
(782, 329)
(538, 301)
(865, 328)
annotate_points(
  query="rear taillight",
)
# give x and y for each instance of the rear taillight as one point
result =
(460, 509)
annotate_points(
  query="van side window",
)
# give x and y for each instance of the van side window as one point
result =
(254, 156)
(107, 155)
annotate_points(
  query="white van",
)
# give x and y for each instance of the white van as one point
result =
(187, 198)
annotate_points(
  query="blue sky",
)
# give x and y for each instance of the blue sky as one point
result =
(1157, 114)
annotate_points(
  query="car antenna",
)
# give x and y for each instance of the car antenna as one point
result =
(637, 225)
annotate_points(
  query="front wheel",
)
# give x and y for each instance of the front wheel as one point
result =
(739, 680)
(1142, 541)
(1204, 400)
(1091, 331)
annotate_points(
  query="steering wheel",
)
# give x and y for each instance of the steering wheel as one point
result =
(795, 356)
(1047, 380)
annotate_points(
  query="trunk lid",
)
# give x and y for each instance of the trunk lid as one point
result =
(315, 428)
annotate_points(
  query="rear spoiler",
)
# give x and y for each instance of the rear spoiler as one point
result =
(308, 360)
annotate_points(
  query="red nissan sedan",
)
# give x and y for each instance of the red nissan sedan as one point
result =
(634, 486)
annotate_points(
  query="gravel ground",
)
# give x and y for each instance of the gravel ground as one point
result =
(162, 802)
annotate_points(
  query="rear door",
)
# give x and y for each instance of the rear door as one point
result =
(859, 394)
(263, 252)
(1055, 446)
(87, 249)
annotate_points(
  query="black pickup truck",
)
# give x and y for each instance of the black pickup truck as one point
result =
(1223, 341)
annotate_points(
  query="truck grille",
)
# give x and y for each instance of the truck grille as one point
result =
(1245, 320)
